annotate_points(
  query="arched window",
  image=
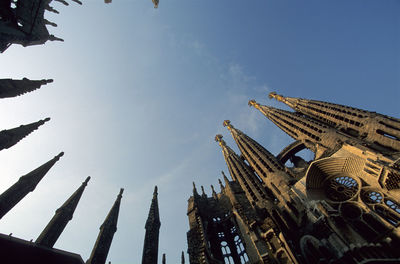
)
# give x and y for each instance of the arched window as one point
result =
(241, 250)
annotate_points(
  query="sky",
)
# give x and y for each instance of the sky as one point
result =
(139, 94)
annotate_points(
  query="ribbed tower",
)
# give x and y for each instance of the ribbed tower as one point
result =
(106, 234)
(24, 185)
(263, 161)
(10, 137)
(150, 247)
(370, 126)
(303, 128)
(242, 173)
(63, 215)
(13, 88)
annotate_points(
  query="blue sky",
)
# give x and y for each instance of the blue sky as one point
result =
(139, 94)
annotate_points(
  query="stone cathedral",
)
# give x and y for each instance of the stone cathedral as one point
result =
(341, 207)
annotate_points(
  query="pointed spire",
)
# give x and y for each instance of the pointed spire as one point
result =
(24, 185)
(372, 127)
(183, 258)
(253, 152)
(225, 178)
(106, 234)
(203, 193)
(301, 127)
(242, 173)
(220, 184)
(214, 194)
(63, 215)
(164, 261)
(195, 193)
(150, 247)
(10, 137)
(12, 88)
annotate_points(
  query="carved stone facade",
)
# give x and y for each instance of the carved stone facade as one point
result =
(341, 207)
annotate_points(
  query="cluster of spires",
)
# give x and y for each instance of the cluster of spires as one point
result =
(27, 183)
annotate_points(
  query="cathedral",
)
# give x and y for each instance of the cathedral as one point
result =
(340, 207)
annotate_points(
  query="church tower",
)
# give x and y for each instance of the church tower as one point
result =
(341, 207)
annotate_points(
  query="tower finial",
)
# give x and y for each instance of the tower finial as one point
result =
(164, 261)
(274, 95)
(254, 104)
(227, 123)
(218, 138)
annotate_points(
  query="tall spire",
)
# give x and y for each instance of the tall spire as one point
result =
(150, 247)
(242, 173)
(63, 215)
(24, 185)
(13, 88)
(106, 234)
(10, 137)
(372, 127)
(164, 260)
(302, 128)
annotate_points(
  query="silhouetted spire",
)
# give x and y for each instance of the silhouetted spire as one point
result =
(370, 126)
(183, 258)
(242, 173)
(63, 215)
(106, 234)
(214, 194)
(301, 127)
(203, 193)
(150, 247)
(24, 185)
(164, 261)
(195, 193)
(220, 184)
(12, 88)
(10, 137)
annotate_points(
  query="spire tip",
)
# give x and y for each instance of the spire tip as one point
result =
(46, 119)
(121, 191)
(87, 180)
(60, 155)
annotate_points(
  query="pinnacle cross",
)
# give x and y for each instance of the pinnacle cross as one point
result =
(106, 234)
(10, 137)
(63, 215)
(24, 185)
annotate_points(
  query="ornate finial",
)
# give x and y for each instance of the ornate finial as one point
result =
(86, 181)
(59, 156)
(276, 96)
(155, 193)
(120, 192)
(46, 119)
(218, 138)
(227, 123)
(254, 104)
